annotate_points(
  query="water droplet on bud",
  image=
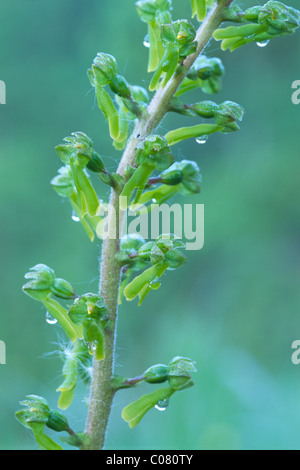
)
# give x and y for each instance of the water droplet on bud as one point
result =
(262, 43)
(202, 140)
(75, 217)
(162, 405)
(50, 320)
(154, 201)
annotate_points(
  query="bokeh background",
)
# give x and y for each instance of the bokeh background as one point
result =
(235, 307)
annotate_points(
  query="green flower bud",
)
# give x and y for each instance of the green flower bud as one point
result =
(144, 251)
(64, 152)
(156, 255)
(104, 68)
(63, 183)
(205, 109)
(183, 363)
(176, 259)
(95, 164)
(179, 373)
(36, 410)
(190, 180)
(119, 86)
(131, 243)
(154, 150)
(34, 291)
(149, 9)
(87, 306)
(62, 289)
(139, 94)
(42, 279)
(156, 374)
(152, 153)
(168, 241)
(251, 14)
(206, 67)
(171, 177)
(179, 33)
(227, 114)
(79, 140)
(57, 421)
(43, 274)
(78, 311)
(279, 17)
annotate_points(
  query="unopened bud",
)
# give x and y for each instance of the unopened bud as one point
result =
(156, 374)
(57, 421)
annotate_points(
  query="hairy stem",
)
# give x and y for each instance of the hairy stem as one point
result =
(102, 393)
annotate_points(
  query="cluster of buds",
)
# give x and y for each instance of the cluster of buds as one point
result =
(151, 154)
(102, 74)
(206, 73)
(90, 313)
(162, 254)
(177, 373)
(182, 177)
(37, 414)
(178, 39)
(42, 285)
(226, 117)
(155, 13)
(262, 23)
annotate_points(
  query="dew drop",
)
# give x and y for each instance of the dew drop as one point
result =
(202, 140)
(262, 43)
(75, 217)
(92, 347)
(162, 405)
(50, 320)
(146, 42)
(154, 201)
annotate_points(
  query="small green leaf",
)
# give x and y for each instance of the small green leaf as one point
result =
(60, 314)
(66, 398)
(134, 412)
(46, 443)
(176, 136)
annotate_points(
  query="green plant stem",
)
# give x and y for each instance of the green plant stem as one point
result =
(102, 393)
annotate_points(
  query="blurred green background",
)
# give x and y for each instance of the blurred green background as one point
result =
(234, 308)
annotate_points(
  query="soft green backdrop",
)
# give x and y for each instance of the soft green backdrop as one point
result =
(234, 308)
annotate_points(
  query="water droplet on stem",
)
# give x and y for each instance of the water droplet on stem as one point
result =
(75, 217)
(262, 43)
(50, 320)
(146, 42)
(162, 405)
(202, 140)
